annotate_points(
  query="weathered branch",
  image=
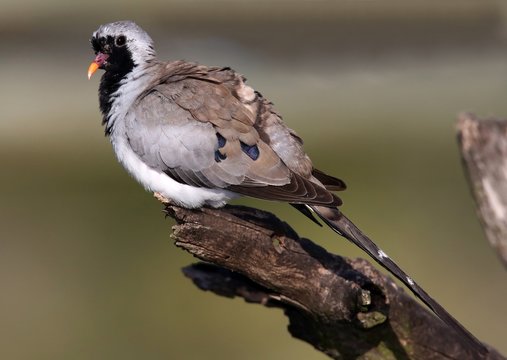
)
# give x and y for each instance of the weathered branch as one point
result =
(483, 146)
(344, 308)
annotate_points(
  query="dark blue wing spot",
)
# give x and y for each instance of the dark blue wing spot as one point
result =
(221, 140)
(219, 156)
(251, 150)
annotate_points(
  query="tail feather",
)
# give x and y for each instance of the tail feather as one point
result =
(302, 208)
(346, 228)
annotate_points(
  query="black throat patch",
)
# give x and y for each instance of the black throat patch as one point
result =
(119, 65)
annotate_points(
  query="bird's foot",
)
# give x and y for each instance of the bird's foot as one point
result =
(162, 198)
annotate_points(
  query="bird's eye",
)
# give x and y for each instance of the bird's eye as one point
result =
(121, 40)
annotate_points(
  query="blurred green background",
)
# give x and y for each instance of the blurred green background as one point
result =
(87, 269)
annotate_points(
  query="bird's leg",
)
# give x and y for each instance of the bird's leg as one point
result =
(162, 198)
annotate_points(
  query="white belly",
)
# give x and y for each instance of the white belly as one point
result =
(155, 181)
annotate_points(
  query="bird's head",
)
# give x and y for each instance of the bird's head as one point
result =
(119, 47)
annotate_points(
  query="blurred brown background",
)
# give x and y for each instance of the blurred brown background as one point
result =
(87, 269)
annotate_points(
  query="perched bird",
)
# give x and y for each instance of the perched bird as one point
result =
(199, 135)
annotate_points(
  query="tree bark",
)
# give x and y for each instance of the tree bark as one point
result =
(343, 307)
(483, 146)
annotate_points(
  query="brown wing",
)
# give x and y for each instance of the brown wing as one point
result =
(199, 131)
(330, 182)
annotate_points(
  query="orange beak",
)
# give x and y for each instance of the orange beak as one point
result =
(91, 70)
(96, 64)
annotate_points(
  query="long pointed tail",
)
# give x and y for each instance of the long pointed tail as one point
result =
(346, 228)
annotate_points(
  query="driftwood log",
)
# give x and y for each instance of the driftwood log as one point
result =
(343, 307)
(483, 146)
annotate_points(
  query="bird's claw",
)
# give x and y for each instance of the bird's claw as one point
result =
(162, 198)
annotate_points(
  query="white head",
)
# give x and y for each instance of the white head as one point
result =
(120, 46)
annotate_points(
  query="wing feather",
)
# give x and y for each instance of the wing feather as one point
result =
(174, 127)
